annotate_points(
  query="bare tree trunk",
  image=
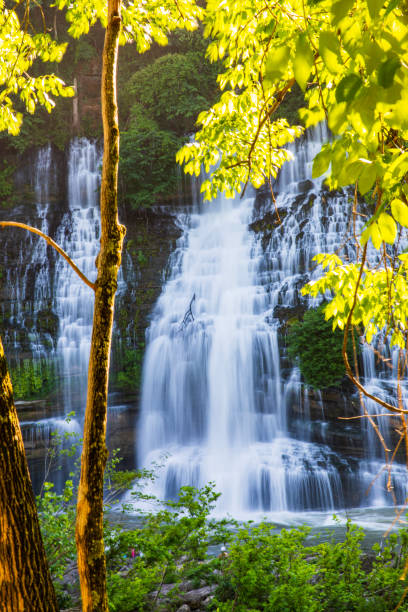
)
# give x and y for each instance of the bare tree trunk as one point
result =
(25, 581)
(89, 526)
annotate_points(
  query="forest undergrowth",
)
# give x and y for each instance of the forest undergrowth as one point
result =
(175, 549)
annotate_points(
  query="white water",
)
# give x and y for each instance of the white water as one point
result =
(218, 396)
(57, 289)
(79, 236)
(216, 404)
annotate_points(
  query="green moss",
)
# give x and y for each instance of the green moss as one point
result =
(128, 377)
(7, 197)
(318, 349)
(33, 379)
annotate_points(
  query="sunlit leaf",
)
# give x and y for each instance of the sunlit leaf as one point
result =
(303, 62)
(387, 227)
(400, 212)
(329, 49)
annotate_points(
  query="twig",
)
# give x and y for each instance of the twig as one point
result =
(189, 314)
(51, 242)
(344, 349)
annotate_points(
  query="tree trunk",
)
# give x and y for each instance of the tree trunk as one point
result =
(89, 525)
(25, 581)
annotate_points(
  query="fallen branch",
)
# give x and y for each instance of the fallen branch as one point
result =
(189, 314)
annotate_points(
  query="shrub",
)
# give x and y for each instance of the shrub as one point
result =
(318, 349)
(291, 572)
(147, 161)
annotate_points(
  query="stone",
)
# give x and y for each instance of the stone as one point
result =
(207, 601)
(184, 608)
(194, 598)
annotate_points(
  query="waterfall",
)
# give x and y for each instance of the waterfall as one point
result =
(78, 235)
(219, 401)
(43, 291)
(28, 288)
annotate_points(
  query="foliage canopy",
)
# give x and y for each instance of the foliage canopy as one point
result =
(18, 51)
(350, 59)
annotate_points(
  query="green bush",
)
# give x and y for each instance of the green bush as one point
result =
(147, 161)
(174, 89)
(290, 572)
(318, 349)
(129, 376)
(163, 99)
(33, 378)
(263, 571)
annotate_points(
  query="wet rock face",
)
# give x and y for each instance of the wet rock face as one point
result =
(41, 200)
(24, 258)
(151, 235)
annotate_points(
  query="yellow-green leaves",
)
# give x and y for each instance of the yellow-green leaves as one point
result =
(382, 298)
(367, 178)
(322, 161)
(329, 49)
(374, 7)
(383, 229)
(142, 22)
(388, 228)
(373, 232)
(400, 212)
(18, 51)
(276, 63)
(339, 10)
(303, 61)
(260, 50)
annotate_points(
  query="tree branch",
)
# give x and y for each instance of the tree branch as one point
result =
(349, 371)
(51, 242)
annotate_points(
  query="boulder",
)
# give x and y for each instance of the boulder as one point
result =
(195, 598)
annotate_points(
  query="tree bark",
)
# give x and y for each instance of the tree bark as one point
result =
(25, 581)
(89, 525)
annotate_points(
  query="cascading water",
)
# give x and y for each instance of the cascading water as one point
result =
(217, 398)
(29, 282)
(79, 236)
(58, 293)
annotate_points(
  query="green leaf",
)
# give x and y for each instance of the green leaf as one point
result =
(348, 87)
(400, 212)
(329, 49)
(399, 117)
(367, 178)
(374, 7)
(303, 62)
(276, 63)
(391, 6)
(365, 236)
(321, 162)
(338, 118)
(375, 235)
(311, 116)
(340, 9)
(387, 227)
(387, 70)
